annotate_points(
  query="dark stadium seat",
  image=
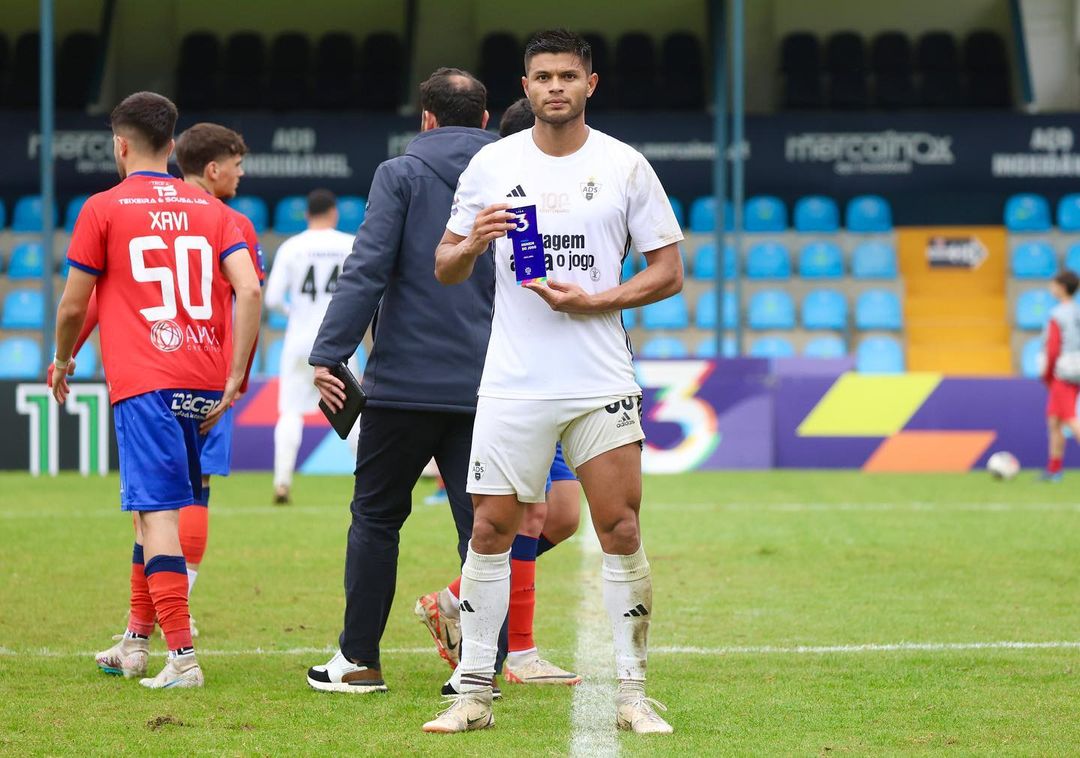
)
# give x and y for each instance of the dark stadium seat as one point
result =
(890, 60)
(879, 355)
(845, 60)
(197, 71)
(824, 310)
(604, 96)
(333, 81)
(800, 64)
(25, 80)
(20, 358)
(683, 75)
(987, 66)
(382, 67)
(635, 66)
(290, 68)
(77, 67)
(501, 57)
(243, 81)
(940, 68)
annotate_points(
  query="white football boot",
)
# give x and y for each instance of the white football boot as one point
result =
(180, 671)
(466, 712)
(127, 657)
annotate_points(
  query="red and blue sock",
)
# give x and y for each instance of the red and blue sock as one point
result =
(166, 575)
(141, 618)
(522, 593)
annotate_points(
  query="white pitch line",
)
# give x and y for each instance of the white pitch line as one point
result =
(592, 719)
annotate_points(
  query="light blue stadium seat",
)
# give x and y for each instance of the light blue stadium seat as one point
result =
(670, 313)
(1072, 257)
(1068, 213)
(289, 215)
(878, 309)
(816, 213)
(868, 214)
(705, 311)
(772, 347)
(87, 365)
(874, 260)
(825, 346)
(20, 358)
(1027, 212)
(271, 364)
(664, 347)
(1033, 309)
(629, 266)
(707, 348)
(821, 260)
(27, 261)
(678, 210)
(254, 208)
(702, 215)
(879, 355)
(1031, 358)
(71, 214)
(771, 309)
(1033, 260)
(28, 215)
(824, 309)
(23, 309)
(765, 213)
(277, 320)
(351, 210)
(361, 360)
(705, 262)
(768, 260)
(629, 318)
(3, 214)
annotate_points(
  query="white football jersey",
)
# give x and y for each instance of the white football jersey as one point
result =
(591, 206)
(303, 279)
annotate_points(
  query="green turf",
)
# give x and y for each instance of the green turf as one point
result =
(746, 560)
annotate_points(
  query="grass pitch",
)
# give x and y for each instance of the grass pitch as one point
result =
(796, 613)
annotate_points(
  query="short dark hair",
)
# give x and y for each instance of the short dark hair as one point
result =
(320, 201)
(559, 41)
(455, 97)
(517, 118)
(148, 117)
(204, 143)
(1069, 280)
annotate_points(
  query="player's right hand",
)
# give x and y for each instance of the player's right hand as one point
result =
(232, 391)
(59, 392)
(331, 389)
(490, 224)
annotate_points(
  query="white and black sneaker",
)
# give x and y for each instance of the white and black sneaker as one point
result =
(340, 674)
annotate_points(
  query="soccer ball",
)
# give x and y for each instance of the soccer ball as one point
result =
(1003, 465)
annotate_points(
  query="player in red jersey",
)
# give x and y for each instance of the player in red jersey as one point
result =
(160, 254)
(1061, 345)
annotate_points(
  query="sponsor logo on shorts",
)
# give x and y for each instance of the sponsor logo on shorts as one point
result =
(190, 405)
(478, 469)
(166, 336)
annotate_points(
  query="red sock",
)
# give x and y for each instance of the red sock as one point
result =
(167, 577)
(141, 618)
(522, 605)
(194, 528)
(1054, 466)
(455, 588)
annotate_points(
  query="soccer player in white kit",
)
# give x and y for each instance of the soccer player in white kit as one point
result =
(558, 364)
(301, 283)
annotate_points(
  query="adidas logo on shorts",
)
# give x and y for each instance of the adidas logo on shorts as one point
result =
(626, 420)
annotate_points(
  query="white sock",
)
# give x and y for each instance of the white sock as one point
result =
(628, 599)
(287, 435)
(485, 600)
(518, 657)
(191, 577)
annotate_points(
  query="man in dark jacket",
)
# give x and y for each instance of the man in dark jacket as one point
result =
(425, 366)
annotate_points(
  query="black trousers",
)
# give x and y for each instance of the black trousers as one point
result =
(394, 446)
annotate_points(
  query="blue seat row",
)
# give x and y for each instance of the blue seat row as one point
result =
(1036, 259)
(1033, 308)
(1028, 212)
(813, 214)
(823, 309)
(878, 355)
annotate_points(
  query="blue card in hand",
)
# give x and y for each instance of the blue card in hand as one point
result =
(528, 245)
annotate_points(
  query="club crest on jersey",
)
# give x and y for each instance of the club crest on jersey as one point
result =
(591, 188)
(478, 469)
(166, 336)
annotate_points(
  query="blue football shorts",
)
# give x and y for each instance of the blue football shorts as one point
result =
(157, 435)
(216, 455)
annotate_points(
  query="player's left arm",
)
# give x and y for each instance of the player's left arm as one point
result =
(70, 315)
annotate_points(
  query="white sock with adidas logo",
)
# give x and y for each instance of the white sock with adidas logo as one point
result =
(485, 600)
(628, 599)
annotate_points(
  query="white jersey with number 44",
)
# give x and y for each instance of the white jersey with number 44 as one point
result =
(303, 279)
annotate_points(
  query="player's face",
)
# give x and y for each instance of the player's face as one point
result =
(225, 175)
(557, 86)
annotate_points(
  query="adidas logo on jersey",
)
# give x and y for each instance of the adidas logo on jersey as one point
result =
(516, 192)
(626, 420)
